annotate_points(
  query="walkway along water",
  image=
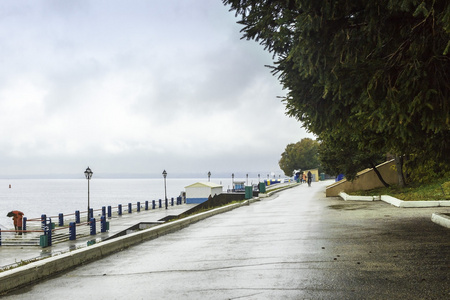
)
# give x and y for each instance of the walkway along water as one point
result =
(123, 224)
(19, 249)
(296, 244)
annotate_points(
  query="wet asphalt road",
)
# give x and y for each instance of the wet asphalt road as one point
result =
(297, 244)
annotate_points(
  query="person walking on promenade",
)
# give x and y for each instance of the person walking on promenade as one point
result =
(309, 178)
(17, 219)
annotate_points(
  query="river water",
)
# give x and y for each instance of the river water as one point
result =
(35, 197)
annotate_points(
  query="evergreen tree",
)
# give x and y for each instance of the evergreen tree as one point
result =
(376, 68)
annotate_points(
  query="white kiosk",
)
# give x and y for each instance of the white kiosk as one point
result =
(200, 191)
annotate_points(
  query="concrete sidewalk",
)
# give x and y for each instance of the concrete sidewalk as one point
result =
(10, 256)
(296, 244)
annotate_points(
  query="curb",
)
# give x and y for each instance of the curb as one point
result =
(39, 270)
(347, 197)
(441, 219)
(401, 203)
(396, 202)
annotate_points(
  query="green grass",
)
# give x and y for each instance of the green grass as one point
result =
(439, 190)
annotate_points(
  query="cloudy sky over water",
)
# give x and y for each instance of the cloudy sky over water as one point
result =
(135, 87)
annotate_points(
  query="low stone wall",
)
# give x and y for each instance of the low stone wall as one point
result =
(365, 180)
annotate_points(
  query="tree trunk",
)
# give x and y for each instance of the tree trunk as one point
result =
(379, 175)
(399, 167)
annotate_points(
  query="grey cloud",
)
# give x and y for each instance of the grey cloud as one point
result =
(130, 87)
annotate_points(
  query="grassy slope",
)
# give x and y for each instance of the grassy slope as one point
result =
(439, 190)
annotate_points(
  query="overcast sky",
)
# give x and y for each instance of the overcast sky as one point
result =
(135, 87)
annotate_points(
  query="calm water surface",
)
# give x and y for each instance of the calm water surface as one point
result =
(53, 196)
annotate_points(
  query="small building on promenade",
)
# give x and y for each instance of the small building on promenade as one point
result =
(315, 174)
(200, 191)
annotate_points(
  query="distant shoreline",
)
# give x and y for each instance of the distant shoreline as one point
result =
(263, 175)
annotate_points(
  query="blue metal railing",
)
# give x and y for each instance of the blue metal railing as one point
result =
(45, 230)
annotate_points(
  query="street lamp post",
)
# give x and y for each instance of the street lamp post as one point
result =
(232, 182)
(209, 176)
(88, 173)
(164, 173)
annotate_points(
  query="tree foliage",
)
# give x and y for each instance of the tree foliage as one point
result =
(339, 154)
(302, 155)
(373, 68)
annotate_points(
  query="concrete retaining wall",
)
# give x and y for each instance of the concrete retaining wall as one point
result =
(39, 270)
(365, 180)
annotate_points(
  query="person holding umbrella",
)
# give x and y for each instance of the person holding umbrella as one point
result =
(17, 219)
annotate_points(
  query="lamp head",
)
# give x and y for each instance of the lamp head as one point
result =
(88, 173)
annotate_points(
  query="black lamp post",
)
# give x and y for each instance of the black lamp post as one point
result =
(232, 182)
(164, 173)
(88, 173)
(209, 176)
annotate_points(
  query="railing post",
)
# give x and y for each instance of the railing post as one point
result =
(91, 213)
(153, 204)
(103, 224)
(129, 208)
(24, 225)
(146, 205)
(61, 219)
(43, 221)
(160, 203)
(72, 231)
(109, 211)
(171, 201)
(49, 231)
(119, 209)
(93, 227)
(103, 210)
(0, 236)
(138, 206)
(77, 217)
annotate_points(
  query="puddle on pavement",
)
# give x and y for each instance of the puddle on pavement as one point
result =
(348, 206)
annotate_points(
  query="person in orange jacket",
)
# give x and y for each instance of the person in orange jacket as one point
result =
(17, 218)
